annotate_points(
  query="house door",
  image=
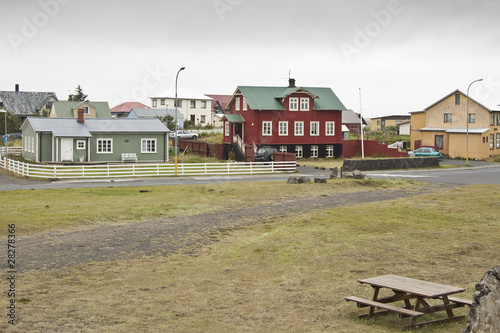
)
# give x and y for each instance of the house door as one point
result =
(238, 130)
(66, 149)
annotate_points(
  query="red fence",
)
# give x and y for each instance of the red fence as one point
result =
(352, 148)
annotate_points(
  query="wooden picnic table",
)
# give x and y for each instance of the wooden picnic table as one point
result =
(406, 289)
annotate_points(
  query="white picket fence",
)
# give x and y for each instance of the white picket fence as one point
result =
(123, 170)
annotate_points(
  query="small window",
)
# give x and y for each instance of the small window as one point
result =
(266, 128)
(293, 104)
(80, 144)
(148, 145)
(378, 122)
(304, 104)
(314, 151)
(283, 149)
(203, 104)
(237, 104)
(314, 130)
(299, 152)
(438, 141)
(299, 128)
(472, 118)
(330, 128)
(203, 119)
(162, 101)
(104, 146)
(283, 128)
(154, 103)
(245, 104)
(86, 110)
(226, 128)
(498, 119)
(329, 151)
(498, 140)
(492, 141)
(447, 117)
(492, 119)
(177, 103)
(457, 99)
(192, 104)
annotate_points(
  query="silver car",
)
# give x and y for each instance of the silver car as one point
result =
(183, 134)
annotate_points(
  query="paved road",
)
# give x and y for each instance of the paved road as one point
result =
(477, 173)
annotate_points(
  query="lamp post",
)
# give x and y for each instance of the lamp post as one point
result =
(6, 149)
(175, 118)
(467, 122)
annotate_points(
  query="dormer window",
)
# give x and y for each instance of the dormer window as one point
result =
(293, 104)
(245, 104)
(304, 104)
(86, 110)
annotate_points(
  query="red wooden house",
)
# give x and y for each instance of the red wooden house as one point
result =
(306, 121)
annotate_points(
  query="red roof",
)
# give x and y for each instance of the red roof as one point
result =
(127, 106)
(222, 99)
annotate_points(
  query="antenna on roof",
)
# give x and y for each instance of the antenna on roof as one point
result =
(289, 75)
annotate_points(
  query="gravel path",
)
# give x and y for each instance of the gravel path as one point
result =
(167, 236)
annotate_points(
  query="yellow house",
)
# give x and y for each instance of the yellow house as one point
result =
(443, 125)
(379, 123)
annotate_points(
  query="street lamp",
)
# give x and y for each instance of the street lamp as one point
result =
(6, 149)
(175, 118)
(467, 122)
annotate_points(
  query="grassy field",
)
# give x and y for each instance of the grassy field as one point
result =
(287, 274)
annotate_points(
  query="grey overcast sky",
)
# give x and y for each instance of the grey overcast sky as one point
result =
(403, 54)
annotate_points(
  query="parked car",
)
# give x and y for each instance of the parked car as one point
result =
(265, 154)
(13, 136)
(182, 134)
(426, 151)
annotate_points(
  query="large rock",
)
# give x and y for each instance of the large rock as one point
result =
(484, 314)
(304, 180)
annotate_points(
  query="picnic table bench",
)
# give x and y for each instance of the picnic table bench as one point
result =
(129, 157)
(407, 289)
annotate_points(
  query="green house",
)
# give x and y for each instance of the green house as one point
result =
(94, 140)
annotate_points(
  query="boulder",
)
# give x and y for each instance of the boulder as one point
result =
(304, 179)
(292, 180)
(335, 173)
(484, 314)
(320, 180)
(356, 174)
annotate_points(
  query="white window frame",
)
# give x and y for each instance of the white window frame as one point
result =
(471, 118)
(245, 104)
(299, 128)
(448, 118)
(178, 103)
(25, 143)
(283, 128)
(283, 149)
(314, 128)
(110, 140)
(237, 104)
(329, 151)
(498, 140)
(154, 103)
(32, 144)
(148, 150)
(314, 151)
(304, 104)
(492, 141)
(330, 128)
(85, 110)
(267, 128)
(192, 104)
(226, 128)
(80, 144)
(203, 104)
(299, 152)
(293, 104)
(203, 118)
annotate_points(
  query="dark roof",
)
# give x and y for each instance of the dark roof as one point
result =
(222, 99)
(25, 103)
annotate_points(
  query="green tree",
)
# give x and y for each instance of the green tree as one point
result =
(13, 125)
(79, 96)
(168, 120)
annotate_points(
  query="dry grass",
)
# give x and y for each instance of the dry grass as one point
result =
(289, 274)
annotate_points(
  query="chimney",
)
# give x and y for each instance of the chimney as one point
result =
(17, 87)
(291, 83)
(80, 118)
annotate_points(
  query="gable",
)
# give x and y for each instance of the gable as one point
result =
(67, 109)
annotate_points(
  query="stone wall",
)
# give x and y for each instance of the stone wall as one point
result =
(390, 163)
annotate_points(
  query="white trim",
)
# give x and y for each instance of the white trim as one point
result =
(146, 151)
(311, 128)
(285, 128)
(97, 146)
(301, 127)
(264, 123)
(327, 128)
(307, 102)
(295, 102)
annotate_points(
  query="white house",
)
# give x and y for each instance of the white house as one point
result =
(194, 107)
